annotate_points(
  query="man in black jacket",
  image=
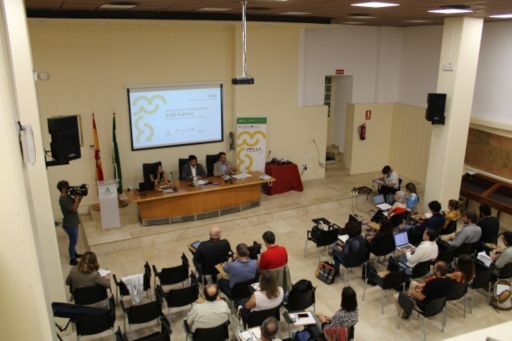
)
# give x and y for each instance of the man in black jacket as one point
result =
(490, 225)
(212, 252)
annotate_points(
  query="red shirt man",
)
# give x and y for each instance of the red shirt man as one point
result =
(274, 256)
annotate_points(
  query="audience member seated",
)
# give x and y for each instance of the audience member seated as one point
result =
(427, 250)
(269, 329)
(470, 232)
(85, 273)
(356, 243)
(223, 166)
(503, 258)
(269, 296)
(241, 269)
(390, 181)
(347, 315)
(436, 287)
(464, 270)
(451, 216)
(192, 169)
(384, 236)
(412, 197)
(158, 177)
(434, 220)
(490, 225)
(274, 256)
(211, 252)
(210, 312)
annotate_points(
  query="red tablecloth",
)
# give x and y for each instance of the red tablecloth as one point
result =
(287, 178)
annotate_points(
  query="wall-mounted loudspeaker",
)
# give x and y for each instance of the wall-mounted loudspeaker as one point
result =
(65, 143)
(435, 108)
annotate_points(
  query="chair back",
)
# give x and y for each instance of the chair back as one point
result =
(254, 250)
(163, 335)
(457, 290)
(446, 254)
(300, 300)
(393, 280)
(405, 302)
(242, 290)
(506, 271)
(256, 318)
(148, 169)
(323, 237)
(421, 269)
(482, 279)
(398, 219)
(173, 275)
(219, 333)
(434, 307)
(90, 295)
(357, 258)
(210, 161)
(181, 297)
(451, 227)
(143, 313)
(181, 164)
(383, 246)
(123, 289)
(97, 323)
(465, 249)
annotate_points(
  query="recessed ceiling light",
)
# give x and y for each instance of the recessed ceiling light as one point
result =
(417, 21)
(501, 16)
(118, 5)
(361, 16)
(452, 9)
(296, 13)
(213, 9)
(375, 4)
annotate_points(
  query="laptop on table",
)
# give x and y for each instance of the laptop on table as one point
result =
(381, 203)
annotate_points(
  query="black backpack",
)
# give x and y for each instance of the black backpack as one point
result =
(303, 285)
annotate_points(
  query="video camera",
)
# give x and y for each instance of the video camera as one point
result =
(81, 190)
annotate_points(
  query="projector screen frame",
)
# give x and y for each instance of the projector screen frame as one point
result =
(148, 87)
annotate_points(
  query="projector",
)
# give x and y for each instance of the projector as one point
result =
(242, 80)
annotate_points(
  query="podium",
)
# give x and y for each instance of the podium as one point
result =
(109, 207)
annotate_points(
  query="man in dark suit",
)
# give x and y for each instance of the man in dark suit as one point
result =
(212, 252)
(192, 168)
(490, 225)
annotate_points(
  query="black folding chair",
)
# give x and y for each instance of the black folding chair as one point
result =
(173, 275)
(180, 297)
(163, 335)
(392, 280)
(432, 308)
(421, 269)
(219, 333)
(482, 280)
(256, 318)
(97, 323)
(321, 237)
(505, 272)
(457, 291)
(122, 289)
(90, 295)
(142, 313)
(210, 161)
(242, 290)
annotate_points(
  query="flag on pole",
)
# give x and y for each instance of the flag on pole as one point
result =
(115, 157)
(97, 157)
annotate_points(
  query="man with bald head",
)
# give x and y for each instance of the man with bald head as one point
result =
(269, 329)
(211, 252)
(210, 312)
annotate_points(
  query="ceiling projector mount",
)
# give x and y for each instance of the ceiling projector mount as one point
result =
(244, 78)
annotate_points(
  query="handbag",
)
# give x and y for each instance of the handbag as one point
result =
(325, 272)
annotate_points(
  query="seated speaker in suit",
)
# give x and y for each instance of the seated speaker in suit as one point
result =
(192, 168)
(223, 166)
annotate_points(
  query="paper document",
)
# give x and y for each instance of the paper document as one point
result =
(303, 318)
(241, 176)
(343, 237)
(500, 288)
(253, 334)
(383, 207)
(104, 272)
(256, 286)
(265, 177)
(484, 258)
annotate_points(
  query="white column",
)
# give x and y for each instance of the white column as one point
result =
(460, 47)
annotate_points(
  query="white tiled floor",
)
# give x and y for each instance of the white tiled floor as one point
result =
(124, 250)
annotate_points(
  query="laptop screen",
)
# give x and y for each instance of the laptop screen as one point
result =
(378, 199)
(401, 239)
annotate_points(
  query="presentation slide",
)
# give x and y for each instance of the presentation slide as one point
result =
(173, 116)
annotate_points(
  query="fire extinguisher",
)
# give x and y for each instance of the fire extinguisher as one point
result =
(362, 131)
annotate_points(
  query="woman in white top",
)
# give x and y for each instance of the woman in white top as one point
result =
(269, 296)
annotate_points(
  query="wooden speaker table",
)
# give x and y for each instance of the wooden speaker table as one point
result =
(193, 203)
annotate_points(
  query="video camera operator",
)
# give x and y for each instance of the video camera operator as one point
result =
(69, 203)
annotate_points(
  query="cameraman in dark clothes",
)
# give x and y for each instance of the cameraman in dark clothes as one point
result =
(69, 207)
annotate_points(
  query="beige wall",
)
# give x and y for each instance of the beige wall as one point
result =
(91, 63)
(410, 141)
(371, 154)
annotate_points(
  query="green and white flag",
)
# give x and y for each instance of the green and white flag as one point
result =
(115, 158)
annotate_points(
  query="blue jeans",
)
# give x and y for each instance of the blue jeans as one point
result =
(72, 232)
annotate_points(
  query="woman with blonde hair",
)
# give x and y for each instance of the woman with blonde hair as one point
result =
(85, 273)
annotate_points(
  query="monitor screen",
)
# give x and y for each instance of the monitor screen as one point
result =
(175, 115)
(401, 239)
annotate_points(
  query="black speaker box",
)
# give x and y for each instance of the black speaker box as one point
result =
(435, 108)
(65, 143)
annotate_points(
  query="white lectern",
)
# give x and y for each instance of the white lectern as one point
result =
(109, 207)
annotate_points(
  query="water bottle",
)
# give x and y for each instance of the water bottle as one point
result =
(195, 182)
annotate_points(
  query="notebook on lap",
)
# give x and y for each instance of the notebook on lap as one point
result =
(381, 203)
